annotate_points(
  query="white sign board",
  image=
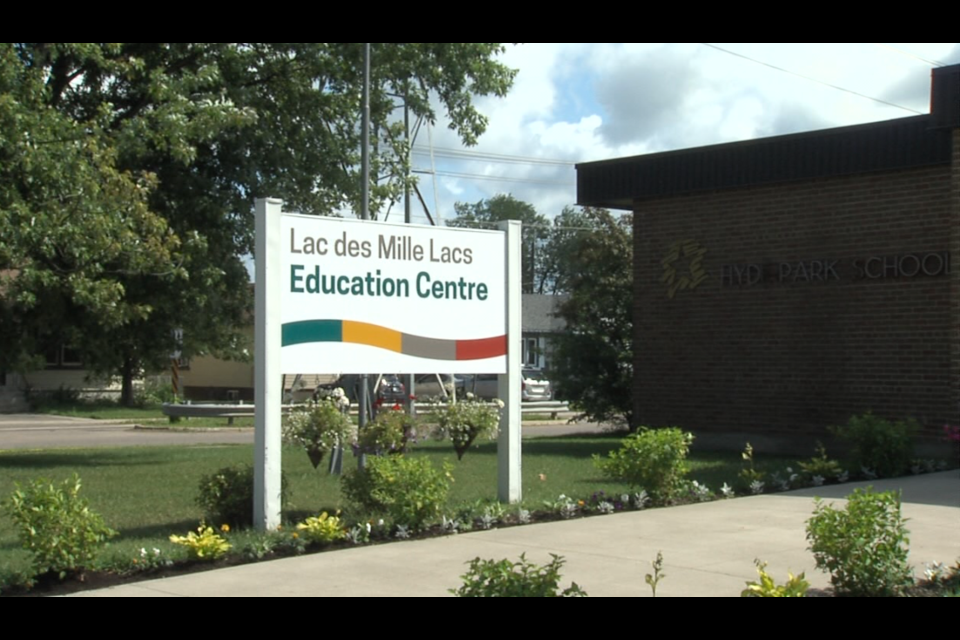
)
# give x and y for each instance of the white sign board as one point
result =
(344, 296)
(360, 297)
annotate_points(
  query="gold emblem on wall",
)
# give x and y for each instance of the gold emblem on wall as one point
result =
(683, 267)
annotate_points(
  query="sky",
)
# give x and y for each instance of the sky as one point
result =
(579, 102)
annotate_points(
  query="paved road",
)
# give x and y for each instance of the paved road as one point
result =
(29, 431)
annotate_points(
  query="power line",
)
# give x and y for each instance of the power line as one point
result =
(811, 79)
(466, 154)
(910, 55)
(477, 176)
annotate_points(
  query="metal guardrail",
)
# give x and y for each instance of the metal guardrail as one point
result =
(232, 411)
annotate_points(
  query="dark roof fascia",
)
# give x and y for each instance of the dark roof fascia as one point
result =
(878, 146)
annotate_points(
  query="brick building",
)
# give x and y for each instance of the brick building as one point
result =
(784, 284)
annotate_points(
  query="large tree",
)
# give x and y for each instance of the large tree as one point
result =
(593, 357)
(485, 214)
(129, 172)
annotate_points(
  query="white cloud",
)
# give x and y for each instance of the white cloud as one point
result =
(580, 102)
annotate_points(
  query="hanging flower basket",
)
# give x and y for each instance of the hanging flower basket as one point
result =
(321, 426)
(468, 420)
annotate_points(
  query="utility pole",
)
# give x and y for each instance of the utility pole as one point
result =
(365, 212)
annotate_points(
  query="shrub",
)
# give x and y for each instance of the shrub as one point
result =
(322, 529)
(652, 459)
(880, 445)
(226, 497)
(795, 587)
(408, 490)
(523, 579)
(57, 526)
(752, 478)
(206, 544)
(863, 547)
(821, 466)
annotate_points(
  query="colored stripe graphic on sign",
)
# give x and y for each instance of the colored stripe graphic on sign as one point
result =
(347, 331)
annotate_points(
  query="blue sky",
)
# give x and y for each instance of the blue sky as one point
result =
(577, 102)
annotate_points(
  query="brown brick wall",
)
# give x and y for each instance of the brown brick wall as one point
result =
(794, 357)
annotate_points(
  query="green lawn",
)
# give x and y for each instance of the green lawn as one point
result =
(147, 493)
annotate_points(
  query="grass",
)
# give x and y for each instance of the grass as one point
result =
(104, 410)
(147, 493)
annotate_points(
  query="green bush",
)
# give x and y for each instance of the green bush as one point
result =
(820, 465)
(795, 587)
(880, 445)
(57, 526)
(651, 459)
(408, 490)
(863, 547)
(523, 579)
(226, 497)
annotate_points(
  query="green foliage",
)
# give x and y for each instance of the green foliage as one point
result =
(593, 356)
(465, 421)
(322, 529)
(748, 472)
(486, 213)
(522, 579)
(795, 587)
(206, 544)
(155, 391)
(821, 465)
(226, 497)
(653, 579)
(129, 172)
(881, 445)
(651, 459)
(864, 546)
(57, 526)
(390, 432)
(408, 490)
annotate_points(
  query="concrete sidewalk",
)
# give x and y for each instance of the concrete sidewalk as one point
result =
(708, 550)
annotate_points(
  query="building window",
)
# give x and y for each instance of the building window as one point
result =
(63, 357)
(531, 352)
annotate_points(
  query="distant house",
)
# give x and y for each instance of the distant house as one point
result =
(540, 324)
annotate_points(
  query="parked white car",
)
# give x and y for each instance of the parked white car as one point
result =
(534, 388)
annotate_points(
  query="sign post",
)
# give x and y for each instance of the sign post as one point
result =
(268, 380)
(509, 463)
(350, 297)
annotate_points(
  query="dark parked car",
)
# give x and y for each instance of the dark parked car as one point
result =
(391, 390)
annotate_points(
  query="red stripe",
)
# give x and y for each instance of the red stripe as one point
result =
(480, 349)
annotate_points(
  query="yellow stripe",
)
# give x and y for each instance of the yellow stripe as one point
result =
(372, 335)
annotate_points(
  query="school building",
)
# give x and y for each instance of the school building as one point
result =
(782, 285)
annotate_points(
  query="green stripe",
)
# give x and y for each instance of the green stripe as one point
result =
(312, 331)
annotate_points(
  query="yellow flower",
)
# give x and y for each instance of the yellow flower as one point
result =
(295, 535)
(225, 528)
